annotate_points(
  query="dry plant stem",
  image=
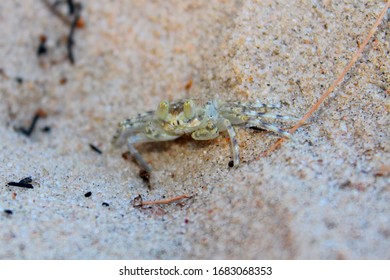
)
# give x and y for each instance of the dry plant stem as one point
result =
(334, 84)
(166, 201)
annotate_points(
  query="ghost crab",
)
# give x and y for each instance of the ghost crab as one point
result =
(202, 120)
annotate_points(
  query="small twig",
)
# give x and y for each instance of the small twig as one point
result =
(57, 13)
(70, 41)
(74, 21)
(138, 202)
(95, 149)
(29, 130)
(71, 7)
(334, 84)
(39, 114)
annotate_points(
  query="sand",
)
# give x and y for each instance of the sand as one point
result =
(324, 195)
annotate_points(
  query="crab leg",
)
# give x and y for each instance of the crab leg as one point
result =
(242, 111)
(233, 141)
(267, 115)
(136, 155)
(258, 123)
(138, 158)
(252, 105)
(142, 138)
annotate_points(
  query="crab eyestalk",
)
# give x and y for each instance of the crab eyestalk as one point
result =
(189, 109)
(162, 110)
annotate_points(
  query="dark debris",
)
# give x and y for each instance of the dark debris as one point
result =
(73, 20)
(24, 183)
(28, 131)
(19, 80)
(145, 176)
(137, 202)
(95, 149)
(46, 129)
(8, 212)
(88, 194)
(42, 48)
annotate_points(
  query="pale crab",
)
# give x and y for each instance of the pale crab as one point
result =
(202, 120)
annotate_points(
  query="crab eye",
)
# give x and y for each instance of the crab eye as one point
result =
(162, 110)
(189, 109)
